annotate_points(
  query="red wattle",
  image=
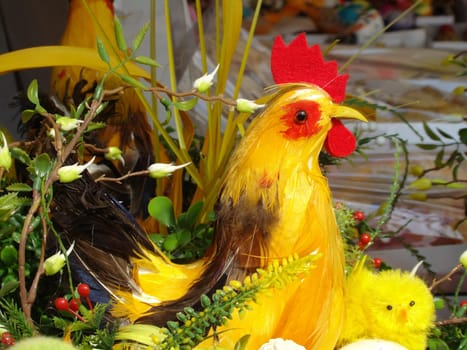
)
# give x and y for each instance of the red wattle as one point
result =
(340, 141)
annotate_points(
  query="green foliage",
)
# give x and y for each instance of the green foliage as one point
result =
(450, 155)
(187, 239)
(192, 326)
(13, 320)
(92, 333)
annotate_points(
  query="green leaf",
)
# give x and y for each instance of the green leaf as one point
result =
(439, 158)
(102, 51)
(183, 237)
(147, 61)
(188, 219)
(19, 187)
(95, 126)
(119, 36)
(162, 210)
(27, 114)
(463, 135)
(426, 146)
(32, 93)
(455, 185)
(242, 342)
(431, 134)
(170, 243)
(437, 344)
(157, 238)
(138, 40)
(42, 165)
(445, 134)
(132, 81)
(99, 90)
(463, 344)
(186, 105)
(8, 287)
(20, 155)
(9, 254)
(79, 111)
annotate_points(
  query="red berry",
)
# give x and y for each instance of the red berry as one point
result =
(84, 290)
(377, 262)
(358, 215)
(365, 238)
(61, 304)
(463, 303)
(7, 338)
(74, 304)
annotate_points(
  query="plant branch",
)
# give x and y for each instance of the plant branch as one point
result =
(446, 277)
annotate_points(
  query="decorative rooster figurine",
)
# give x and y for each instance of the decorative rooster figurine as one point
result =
(275, 202)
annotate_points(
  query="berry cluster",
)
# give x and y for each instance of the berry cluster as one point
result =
(7, 339)
(72, 306)
(364, 239)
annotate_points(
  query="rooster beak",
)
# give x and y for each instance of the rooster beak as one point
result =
(347, 112)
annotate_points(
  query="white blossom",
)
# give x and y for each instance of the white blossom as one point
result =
(247, 106)
(205, 82)
(5, 155)
(69, 173)
(157, 170)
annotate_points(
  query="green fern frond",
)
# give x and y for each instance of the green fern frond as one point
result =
(192, 326)
(14, 321)
(234, 296)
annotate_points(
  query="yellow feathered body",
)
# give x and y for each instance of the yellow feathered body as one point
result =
(392, 305)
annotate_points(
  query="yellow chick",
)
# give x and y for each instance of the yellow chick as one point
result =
(392, 305)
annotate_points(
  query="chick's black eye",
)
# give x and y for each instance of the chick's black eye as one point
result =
(389, 307)
(412, 303)
(301, 116)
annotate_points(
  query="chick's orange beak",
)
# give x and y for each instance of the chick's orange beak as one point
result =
(403, 315)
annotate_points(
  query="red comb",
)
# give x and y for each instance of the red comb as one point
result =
(298, 62)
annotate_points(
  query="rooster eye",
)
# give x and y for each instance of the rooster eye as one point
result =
(301, 116)
(389, 307)
(412, 303)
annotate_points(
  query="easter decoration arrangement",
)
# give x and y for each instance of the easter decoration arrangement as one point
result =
(125, 229)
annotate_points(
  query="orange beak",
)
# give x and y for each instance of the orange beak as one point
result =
(403, 315)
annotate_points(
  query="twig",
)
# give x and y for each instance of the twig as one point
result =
(119, 179)
(455, 320)
(446, 277)
(226, 101)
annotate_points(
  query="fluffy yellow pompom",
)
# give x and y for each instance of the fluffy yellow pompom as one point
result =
(391, 305)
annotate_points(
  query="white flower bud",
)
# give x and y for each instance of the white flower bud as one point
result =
(205, 82)
(463, 259)
(5, 155)
(69, 173)
(157, 170)
(68, 123)
(55, 263)
(247, 106)
(114, 153)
